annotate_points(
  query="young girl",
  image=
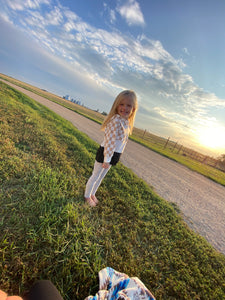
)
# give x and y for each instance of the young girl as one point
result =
(117, 126)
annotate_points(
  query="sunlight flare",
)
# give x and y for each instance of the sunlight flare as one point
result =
(212, 137)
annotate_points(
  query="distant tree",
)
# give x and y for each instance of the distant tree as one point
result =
(104, 113)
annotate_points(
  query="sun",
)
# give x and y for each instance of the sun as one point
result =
(212, 137)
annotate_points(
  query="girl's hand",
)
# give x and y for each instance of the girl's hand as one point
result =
(105, 165)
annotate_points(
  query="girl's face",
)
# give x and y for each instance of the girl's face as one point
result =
(125, 108)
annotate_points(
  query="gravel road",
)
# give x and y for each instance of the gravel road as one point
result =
(201, 200)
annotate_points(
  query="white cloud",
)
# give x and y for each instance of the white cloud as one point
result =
(151, 49)
(185, 50)
(86, 54)
(70, 15)
(5, 17)
(132, 13)
(34, 19)
(112, 15)
(55, 16)
(24, 4)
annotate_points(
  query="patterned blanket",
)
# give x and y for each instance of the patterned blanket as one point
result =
(114, 285)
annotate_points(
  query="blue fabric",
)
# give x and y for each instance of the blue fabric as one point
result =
(110, 272)
(114, 285)
(119, 287)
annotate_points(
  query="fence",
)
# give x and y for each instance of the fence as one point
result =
(179, 149)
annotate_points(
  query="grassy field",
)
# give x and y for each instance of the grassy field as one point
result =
(147, 139)
(46, 230)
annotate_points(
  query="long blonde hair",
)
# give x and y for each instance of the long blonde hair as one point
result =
(124, 94)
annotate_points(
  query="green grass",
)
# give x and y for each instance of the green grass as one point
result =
(147, 139)
(47, 232)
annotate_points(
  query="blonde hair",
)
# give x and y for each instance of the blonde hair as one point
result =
(124, 94)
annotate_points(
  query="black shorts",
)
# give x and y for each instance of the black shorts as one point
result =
(100, 156)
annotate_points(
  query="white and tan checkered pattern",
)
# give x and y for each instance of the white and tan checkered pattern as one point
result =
(116, 136)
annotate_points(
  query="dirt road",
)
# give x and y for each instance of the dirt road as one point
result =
(201, 200)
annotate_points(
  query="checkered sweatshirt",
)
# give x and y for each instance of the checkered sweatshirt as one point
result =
(116, 136)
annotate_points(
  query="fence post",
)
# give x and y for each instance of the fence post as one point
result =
(166, 142)
(144, 133)
(174, 146)
(179, 149)
(204, 160)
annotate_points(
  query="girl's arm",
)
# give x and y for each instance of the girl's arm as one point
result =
(110, 140)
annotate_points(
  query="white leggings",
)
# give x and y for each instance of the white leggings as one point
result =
(95, 180)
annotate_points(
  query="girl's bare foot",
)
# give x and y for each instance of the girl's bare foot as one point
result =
(90, 202)
(94, 199)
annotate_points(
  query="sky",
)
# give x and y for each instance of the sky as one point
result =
(170, 52)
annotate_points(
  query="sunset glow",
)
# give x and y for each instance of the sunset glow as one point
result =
(212, 137)
(92, 50)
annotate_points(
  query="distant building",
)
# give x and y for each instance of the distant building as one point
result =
(76, 101)
(67, 97)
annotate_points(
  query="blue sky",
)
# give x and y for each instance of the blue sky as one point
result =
(170, 52)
